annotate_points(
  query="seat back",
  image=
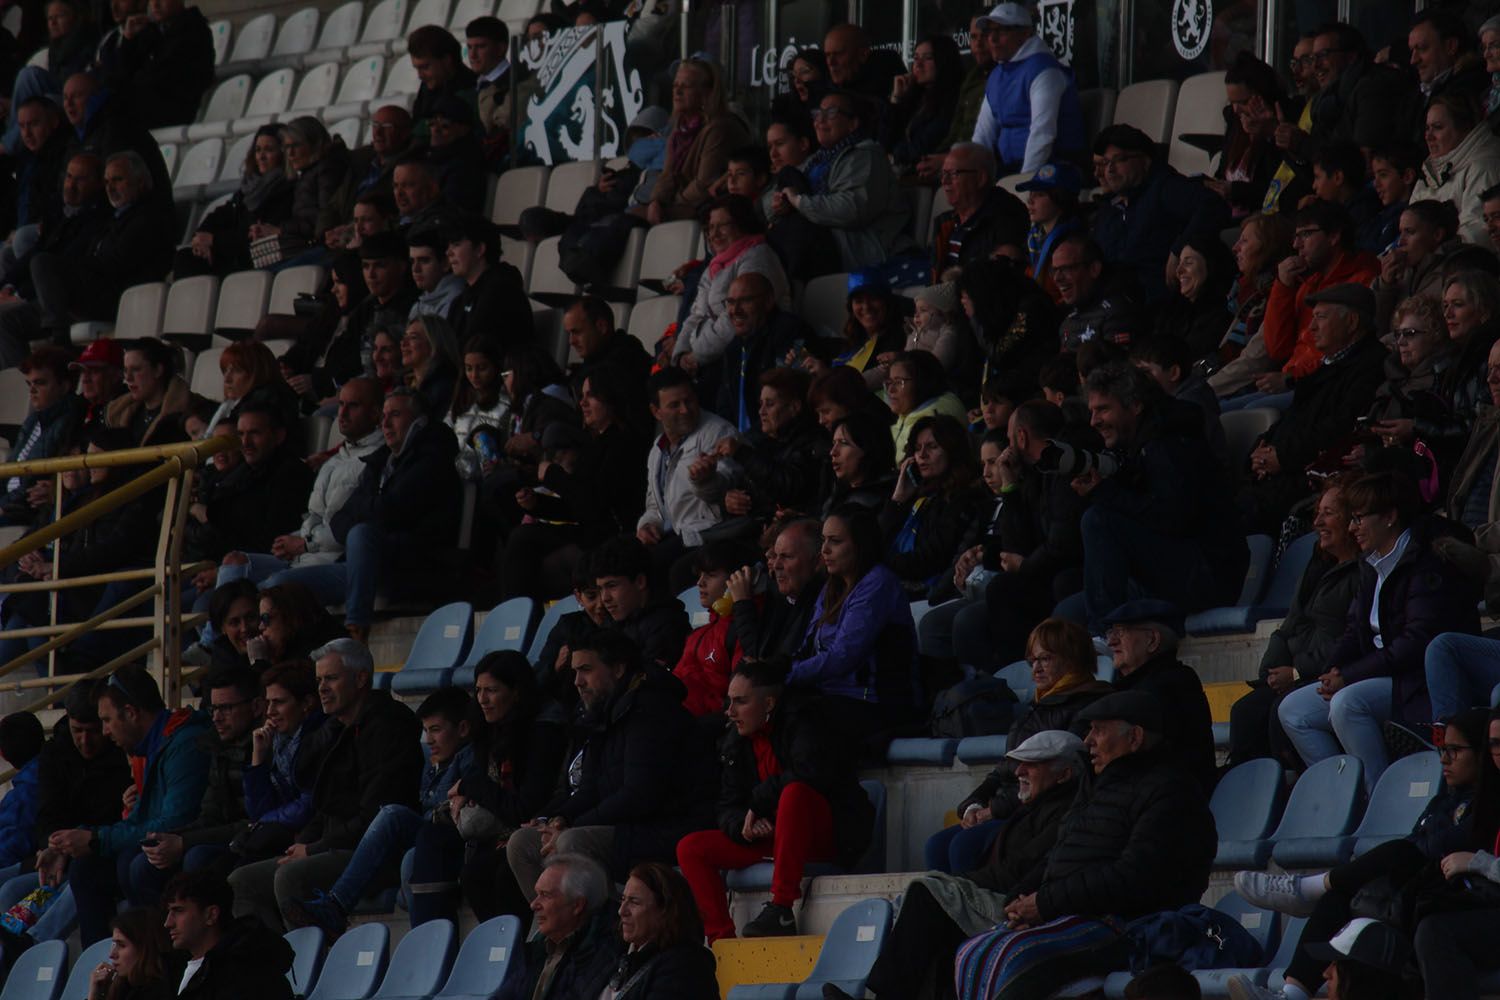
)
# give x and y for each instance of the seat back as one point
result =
(402, 79)
(1098, 104)
(1282, 587)
(355, 963)
(567, 183)
(1199, 111)
(421, 961)
(254, 39)
(1260, 923)
(38, 972)
(628, 268)
(550, 618)
(1400, 796)
(289, 284)
(139, 314)
(361, 83)
(220, 31)
(444, 638)
(346, 129)
(547, 277)
(467, 10)
(95, 955)
(232, 166)
(852, 945)
(651, 317)
(272, 94)
(242, 300)
(507, 626)
(384, 24)
(696, 612)
(825, 303)
(307, 958)
(13, 401)
(207, 380)
(316, 88)
(1262, 548)
(1017, 677)
(1242, 428)
(342, 27)
(298, 33)
(200, 164)
(667, 247)
(169, 157)
(516, 190)
(1248, 800)
(484, 959)
(428, 12)
(190, 305)
(1149, 106)
(1325, 800)
(873, 860)
(227, 102)
(919, 201)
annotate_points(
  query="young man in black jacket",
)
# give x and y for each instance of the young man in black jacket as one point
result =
(226, 958)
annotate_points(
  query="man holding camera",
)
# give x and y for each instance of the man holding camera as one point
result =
(1162, 522)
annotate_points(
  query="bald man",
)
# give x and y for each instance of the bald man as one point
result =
(763, 334)
(855, 67)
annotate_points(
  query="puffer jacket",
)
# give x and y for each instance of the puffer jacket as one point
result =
(1315, 619)
(1460, 176)
(313, 189)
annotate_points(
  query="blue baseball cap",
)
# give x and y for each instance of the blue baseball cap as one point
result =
(1054, 177)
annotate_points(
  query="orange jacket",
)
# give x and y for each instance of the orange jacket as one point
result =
(1287, 323)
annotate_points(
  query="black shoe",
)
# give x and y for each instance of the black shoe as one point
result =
(832, 992)
(772, 921)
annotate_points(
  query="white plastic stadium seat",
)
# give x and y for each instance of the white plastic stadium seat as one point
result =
(340, 31)
(402, 79)
(668, 246)
(198, 166)
(517, 189)
(1149, 106)
(298, 35)
(519, 254)
(13, 404)
(383, 26)
(1200, 110)
(629, 267)
(567, 183)
(233, 165)
(825, 303)
(208, 381)
(428, 12)
(468, 10)
(270, 98)
(651, 317)
(518, 10)
(138, 315)
(191, 303)
(226, 103)
(220, 30)
(290, 283)
(169, 157)
(316, 89)
(1010, 181)
(242, 300)
(346, 129)
(251, 43)
(39, 57)
(940, 204)
(547, 277)
(360, 84)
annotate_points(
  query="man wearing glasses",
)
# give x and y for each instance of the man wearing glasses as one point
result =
(1031, 113)
(1358, 99)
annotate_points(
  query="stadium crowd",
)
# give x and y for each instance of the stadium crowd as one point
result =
(1020, 427)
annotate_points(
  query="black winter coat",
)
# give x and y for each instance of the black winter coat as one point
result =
(605, 493)
(808, 750)
(137, 248)
(1057, 711)
(783, 471)
(313, 190)
(496, 307)
(253, 505)
(1316, 619)
(1042, 519)
(659, 630)
(684, 972)
(517, 765)
(1189, 723)
(763, 350)
(374, 761)
(1325, 405)
(1021, 848)
(417, 506)
(641, 772)
(250, 961)
(74, 792)
(941, 523)
(1139, 838)
(584, 969)
(776, 627)
(223, 811)
(165, 69)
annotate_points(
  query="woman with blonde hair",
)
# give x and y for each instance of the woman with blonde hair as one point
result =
(429, 353)
(704, 131)
(318, 162)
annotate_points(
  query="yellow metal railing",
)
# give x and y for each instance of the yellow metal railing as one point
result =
(173, 468)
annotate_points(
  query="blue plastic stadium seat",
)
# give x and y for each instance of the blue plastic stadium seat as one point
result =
(307, 958)
(355, 964)
(78, 979)
(1291, 932)
(696, 612)
(1262, 925)
(1247, 804)
(757, 877)
(850, 949)
(1017, 677)
(1320, 815)
(1221, 735)
(1239, 616)
(1277, 599)
(440, 645)
(38, 972)
(983, 749)
(1402, 793)
(921, 750)
(483, 960)
(763, 991)
(508, 626)
(421, 962)
(550, 618)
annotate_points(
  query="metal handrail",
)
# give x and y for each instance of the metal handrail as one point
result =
(177, 466)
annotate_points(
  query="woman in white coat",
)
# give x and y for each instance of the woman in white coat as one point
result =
(1463, 161)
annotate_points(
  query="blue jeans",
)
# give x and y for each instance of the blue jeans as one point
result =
(385, 840)
(1250, 400)
(1462, 670)
(353, 581)
(1123, 559)
(955, 850)
(1353, 720)
(55, 924)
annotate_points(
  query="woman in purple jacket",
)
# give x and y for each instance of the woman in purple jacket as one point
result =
(860, 650)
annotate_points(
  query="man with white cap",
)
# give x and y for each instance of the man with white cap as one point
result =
(1367, 960)
(940, 911)
(1031, 111)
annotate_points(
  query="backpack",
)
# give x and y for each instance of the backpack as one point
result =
(981, 705)
(1194, 937)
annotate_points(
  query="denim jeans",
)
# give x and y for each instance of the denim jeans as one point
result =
(59, 919)
(353, 581)
(1119, 551)
(1462, 671)
(393, 831)
(956, 851)
(1353, 719)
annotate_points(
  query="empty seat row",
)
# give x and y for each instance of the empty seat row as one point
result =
(447, 649)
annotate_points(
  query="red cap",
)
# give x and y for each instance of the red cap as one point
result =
(101, 352)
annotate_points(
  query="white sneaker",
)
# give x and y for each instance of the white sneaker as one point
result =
(1274, 892)
(1241, 988)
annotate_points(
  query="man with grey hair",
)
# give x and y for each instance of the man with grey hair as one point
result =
(1163, 522)
(1143, 637)
(939, 912)
(773, 624)
(984, 217)
(370, 756)
(1325, 403)
(135, 249)
(574, 947)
